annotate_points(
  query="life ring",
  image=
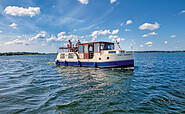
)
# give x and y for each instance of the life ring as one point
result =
(57, 62)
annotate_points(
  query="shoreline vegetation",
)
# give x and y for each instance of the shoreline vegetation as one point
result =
(157, 51)
(36, 53)
(24, 53)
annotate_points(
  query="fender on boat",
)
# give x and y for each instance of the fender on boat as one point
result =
(57, 62)
(79, 63)
(65, 62)
(95, 64)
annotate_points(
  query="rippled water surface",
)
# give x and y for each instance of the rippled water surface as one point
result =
(33, 84)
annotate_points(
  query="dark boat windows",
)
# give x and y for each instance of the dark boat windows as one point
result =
(112, 46)
(107, 46)
(80, 49)
(70, 55)
(90, 48)
(96, 47)
(62, 55)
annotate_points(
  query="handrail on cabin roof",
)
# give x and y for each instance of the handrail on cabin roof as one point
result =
(97, 42)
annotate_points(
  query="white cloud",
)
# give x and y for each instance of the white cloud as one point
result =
(183, 11)
(112, 1)
(173, 36)
(112, 37)
(152, 33)
(52, 38)
(100, 32)
(105, 32)
(63, 37)
(83, 1)
(43, 44)
(145, 35)
(94, 37)
(40, 35)
(66, 37)
(121, 24)
(128, 22)
(61, 34)
(1, 31)
(53, 45)
(115, 31)
(148, 43)
(149, 34)
(149, 26)
(17, 41)
(20, 11)
(118, 39)
(141, 45)
(127, 30)
(165, 42)
(95, 33)
(13, 25)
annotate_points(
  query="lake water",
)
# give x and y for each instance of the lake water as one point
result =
(34, 84)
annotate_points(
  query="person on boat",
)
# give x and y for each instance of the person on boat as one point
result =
(78, 43)
(73, 48)
(69, 46)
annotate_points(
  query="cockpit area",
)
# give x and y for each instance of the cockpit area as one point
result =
(88, 49)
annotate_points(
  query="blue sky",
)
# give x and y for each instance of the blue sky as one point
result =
(45, 25)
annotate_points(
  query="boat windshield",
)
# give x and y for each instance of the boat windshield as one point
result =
(105, 46)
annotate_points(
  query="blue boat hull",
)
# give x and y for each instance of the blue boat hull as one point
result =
(111, 64)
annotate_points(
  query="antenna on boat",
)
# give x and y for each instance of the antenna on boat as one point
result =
(132, 47)
(118, 45)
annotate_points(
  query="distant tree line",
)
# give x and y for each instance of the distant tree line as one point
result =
(22, 53)
(157, 51)
(36, 53)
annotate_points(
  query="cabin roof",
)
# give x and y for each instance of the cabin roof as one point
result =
(97, 42)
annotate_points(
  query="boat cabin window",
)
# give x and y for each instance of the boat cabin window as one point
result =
(106, 46)
(70, 55)
(62, 56)
(90, 48)
(112, 46)
(96, 47)
(80, 49)
(85, 48)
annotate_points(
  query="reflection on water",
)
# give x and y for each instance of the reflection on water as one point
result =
(86, 86)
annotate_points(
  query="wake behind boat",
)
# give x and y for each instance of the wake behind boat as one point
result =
(94, 54)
